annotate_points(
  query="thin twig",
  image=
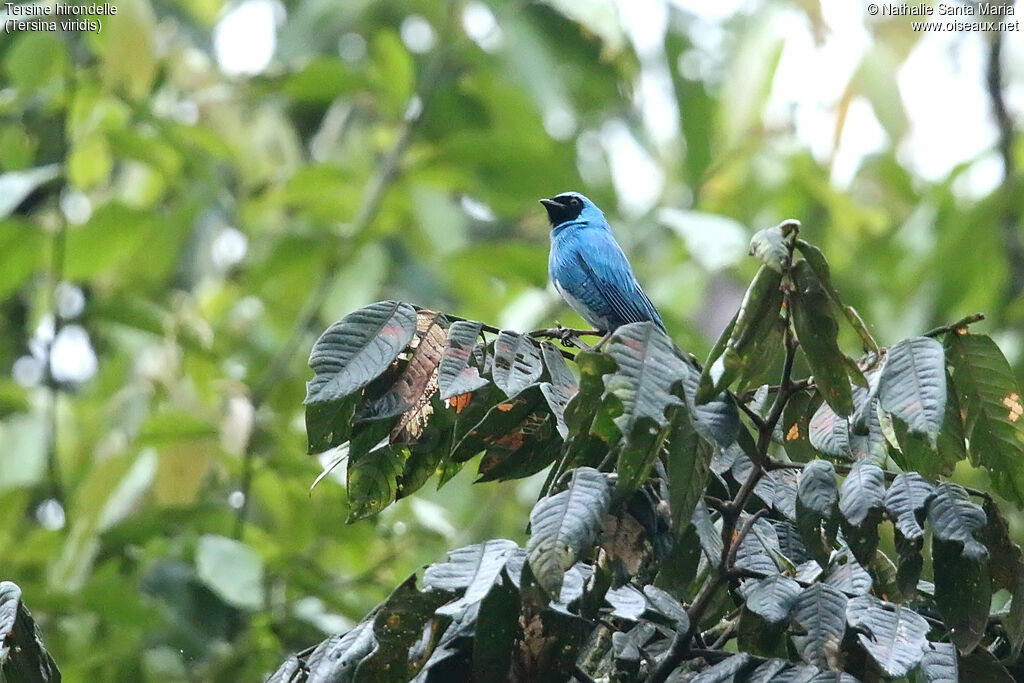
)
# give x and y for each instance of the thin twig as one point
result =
(958, 326)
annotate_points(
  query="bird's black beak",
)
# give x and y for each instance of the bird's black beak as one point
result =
(557, 211)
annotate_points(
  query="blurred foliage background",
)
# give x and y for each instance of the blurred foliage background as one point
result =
(189, 196)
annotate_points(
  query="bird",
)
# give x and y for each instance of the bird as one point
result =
(589, 269)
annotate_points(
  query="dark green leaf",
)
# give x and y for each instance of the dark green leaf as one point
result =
(357, 349)
(772, 597)
(372, 479)
(562, 387)
(627, 602)
(727, 670)
(981, 665)
(991, 401)
(939, 663)
(497, 627)
(821, 611)
(758, 313)
(664, 604)
(830, 433)
(584, 446)
(816, 502)
(647, 369)
(894, 639)
(796, 428)
(718, 421)
(817, 331)
(913, 384)
(759, 550)
(472, 570)
(862, 492)
(687, 465)
(906, 501)
(845, 573)
(338, 657)
(517, 362)
(456, 376)
(329, 423)
(953, 517)
(565, 525)
(962, 590)
(819, 265)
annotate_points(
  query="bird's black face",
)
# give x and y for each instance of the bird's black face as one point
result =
(564, 207)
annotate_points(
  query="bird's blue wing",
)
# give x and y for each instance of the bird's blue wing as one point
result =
(614, 278)
(592, 268)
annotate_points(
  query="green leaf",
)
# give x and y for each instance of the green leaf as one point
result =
(337, 658)
(906, 501)
(664, 604)
(231, 569)
(520, 437)
(772, 597)
(912, 385)
(954, 518)
(587, 444)
(982, 665)
(727, 670)
(718, 421)
(821, 611)
(830, 433)
(687, 465)
(862, 493)
(962, 592)
(373, 471)
(796, 428)
(994, 411)
(647, 369)
(565, 525)
(456, 376)
(846, 573)
(757, 315)
(627, 602)
(759, 550)
(496, 630)
(939, 663)
(357, 349)
(816, 502)
(818, 264)
(562, 387)
(517, 362)
(769, 245)
(894, 639)
(818, 334)
(472, 570)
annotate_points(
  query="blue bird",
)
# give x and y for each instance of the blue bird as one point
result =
(588, 268)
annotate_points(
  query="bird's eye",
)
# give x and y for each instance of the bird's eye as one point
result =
(575, 203)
